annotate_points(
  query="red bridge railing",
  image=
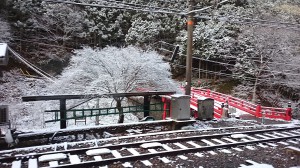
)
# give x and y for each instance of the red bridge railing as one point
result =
(251, 108)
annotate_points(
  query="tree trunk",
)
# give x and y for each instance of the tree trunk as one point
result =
(254, 91)
(119, 107)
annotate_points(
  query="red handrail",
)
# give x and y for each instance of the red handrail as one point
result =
(254, 109)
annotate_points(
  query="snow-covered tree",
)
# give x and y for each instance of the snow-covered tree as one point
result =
(61, 22)
(4, 31)
(114, 70)
(143, 31)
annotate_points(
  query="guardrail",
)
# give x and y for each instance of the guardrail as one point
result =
(83, 113)
(251, 108)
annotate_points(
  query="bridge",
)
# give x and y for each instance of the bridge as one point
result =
(254, 109)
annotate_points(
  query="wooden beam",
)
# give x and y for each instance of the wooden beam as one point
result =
(60, 97)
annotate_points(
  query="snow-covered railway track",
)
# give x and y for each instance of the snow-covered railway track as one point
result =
(89, 133)
(143, 150)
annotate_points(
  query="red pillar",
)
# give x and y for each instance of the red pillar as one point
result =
(258, 110)
(208, 92)
(288, 112)
(164, 100)
(195, 114)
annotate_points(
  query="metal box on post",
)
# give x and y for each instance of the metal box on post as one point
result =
(180, 107)
(205, 108)
(3, 54)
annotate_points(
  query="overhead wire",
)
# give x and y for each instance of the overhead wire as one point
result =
(44, 44)
(32, 66)
(124, 7)
(249, 79)
(225, 56)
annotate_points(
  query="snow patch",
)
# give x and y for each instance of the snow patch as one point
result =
(182, 157)
(127, 164)
(151, 145)
(238, 136)
(52, 157)
(32, 163)
(74, 159)
(165, 160)
(199, 154)
(255, 165)
(146, 162)
(94, 152)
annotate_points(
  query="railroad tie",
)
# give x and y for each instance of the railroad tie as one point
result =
(98, 158)
(262, 145)
(238, 149)
(182, 157)
(250, 147)
(230, 140)
(180, 146)
(233, 141)
(262, 136)
(33, 163)
(127, 164)
(16, 164)
(293, 142)
(290, 134)
(74, 159)
(165, 160)
(146, 162)
(212, 152)
(219, 141)
(133, 151)
(280, 134)
(294, 131)
(116, 154)
(284, 143)
(272, 136)
(252, 138)
(208, 142)
(167, 148)
(193, 144)
(199, 154)
(53, 163)
(271, 144)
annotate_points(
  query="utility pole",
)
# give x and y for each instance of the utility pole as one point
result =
(190, 24)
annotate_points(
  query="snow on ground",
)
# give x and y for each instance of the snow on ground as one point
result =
(255, 165)
(31, 116)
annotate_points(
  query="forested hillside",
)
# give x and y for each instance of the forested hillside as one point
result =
(256, 42)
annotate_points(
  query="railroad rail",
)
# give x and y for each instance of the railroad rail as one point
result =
(96, 132)
(97, 155)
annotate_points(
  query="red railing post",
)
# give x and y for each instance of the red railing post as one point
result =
(208, 92)
(165, 108)
(288, 113)
(195, 114)
(258, 109)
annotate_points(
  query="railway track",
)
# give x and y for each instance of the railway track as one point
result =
(97, 132)
(141, 150)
